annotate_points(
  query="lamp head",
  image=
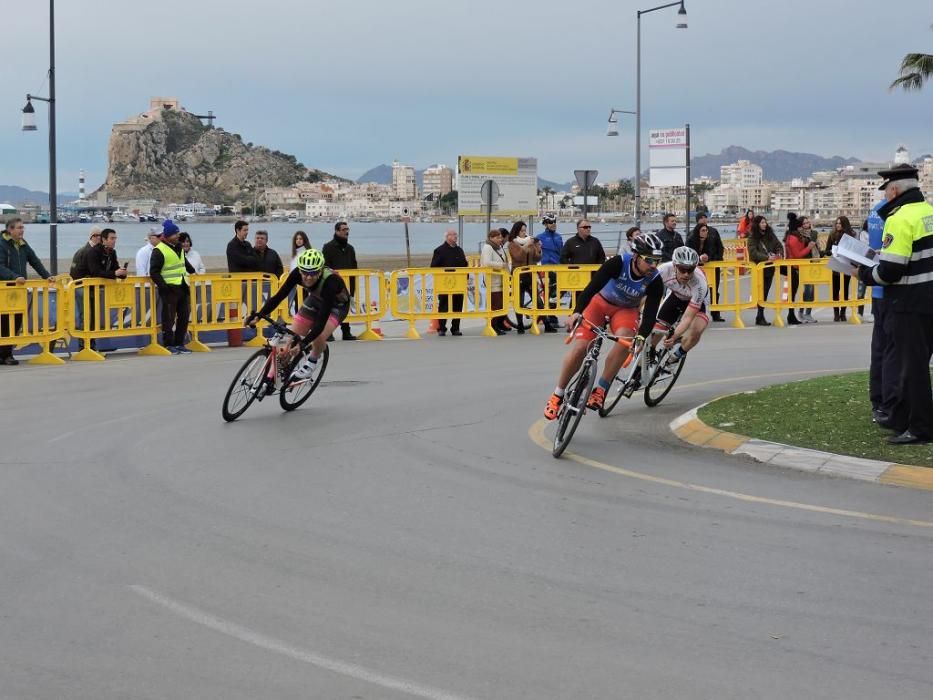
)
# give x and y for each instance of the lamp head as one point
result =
(29, 117)
(682, 17)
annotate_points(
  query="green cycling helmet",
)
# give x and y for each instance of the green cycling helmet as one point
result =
(311, 261)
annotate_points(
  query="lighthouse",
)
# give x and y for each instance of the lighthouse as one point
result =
(81, 186)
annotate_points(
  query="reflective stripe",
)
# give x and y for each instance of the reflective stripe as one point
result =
(876, 277)
(922, 278)
(894, 258)
(921, 254)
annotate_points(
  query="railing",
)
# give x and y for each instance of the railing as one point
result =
(28, 315)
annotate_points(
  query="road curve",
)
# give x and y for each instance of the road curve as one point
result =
(402, 536)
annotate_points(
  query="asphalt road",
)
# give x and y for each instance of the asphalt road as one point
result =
(403, 535)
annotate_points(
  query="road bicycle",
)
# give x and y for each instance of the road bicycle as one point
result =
(646, 367)
(581, 386)
(269, 370)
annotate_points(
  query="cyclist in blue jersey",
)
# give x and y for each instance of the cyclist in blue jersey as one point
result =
(615, 292)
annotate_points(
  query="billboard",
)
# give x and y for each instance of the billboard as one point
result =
(667, 156)
(516, 178)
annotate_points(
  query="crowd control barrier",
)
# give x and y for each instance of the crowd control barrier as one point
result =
(28, 315)
(808, 271)
(367, 303)
(548, 290)
(101, 308)
(733, 292)
(220, 301)
(415, 294)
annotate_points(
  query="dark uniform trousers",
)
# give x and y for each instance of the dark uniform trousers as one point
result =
(913, 342)
(176, 310)
(884, 373)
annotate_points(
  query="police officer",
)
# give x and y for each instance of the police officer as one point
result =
(906, 273)
(884, 372)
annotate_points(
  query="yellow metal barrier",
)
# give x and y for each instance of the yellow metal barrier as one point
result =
(414, 294)
(368, 303)
(27, 317)
(810, 272)
(734, 249)
(220, 301)
(554, 289)
(102, 308)
(473, 260)
(730, 296)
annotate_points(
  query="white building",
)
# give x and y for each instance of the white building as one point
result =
(741, 174)
(403, 181)
(901, 156)
(438, 180)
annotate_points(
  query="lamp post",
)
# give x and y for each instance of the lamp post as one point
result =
(681, 24)
(613, 130)
(29, 124)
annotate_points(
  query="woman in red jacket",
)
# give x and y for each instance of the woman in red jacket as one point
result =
(796, 247)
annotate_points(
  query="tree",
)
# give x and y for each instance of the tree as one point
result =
(916, 69)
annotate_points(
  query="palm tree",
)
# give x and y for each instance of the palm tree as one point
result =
(916, 69)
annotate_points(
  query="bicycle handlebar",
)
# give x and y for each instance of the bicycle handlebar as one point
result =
(605, 335)
(278, 326)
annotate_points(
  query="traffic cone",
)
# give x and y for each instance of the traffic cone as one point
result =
(434, 326)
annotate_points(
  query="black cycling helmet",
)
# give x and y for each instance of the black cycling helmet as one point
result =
(647, 244)
(549, 218)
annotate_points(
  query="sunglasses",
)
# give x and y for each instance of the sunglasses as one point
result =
(685, 270)
(315, 273)
(587, 227)
(651, 260)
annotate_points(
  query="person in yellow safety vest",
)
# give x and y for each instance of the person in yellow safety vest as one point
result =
(906, 272)
(169, 271)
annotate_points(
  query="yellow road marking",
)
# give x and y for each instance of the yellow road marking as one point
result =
(536, 433)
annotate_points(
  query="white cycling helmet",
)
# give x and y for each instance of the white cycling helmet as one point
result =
(686, 257)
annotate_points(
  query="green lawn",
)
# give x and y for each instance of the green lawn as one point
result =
(829, 413)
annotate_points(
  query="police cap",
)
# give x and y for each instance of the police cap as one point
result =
(904, 171)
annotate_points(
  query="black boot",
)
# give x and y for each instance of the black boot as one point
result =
(760, 318)
(842, 314)
(791, 319)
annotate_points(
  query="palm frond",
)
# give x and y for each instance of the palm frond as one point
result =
(916, 69)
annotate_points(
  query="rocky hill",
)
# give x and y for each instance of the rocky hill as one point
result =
(777, 165)
(168, 154)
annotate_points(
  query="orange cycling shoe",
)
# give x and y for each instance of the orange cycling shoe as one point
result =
(553, 406)
(596, 399)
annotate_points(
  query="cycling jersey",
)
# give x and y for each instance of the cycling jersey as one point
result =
(694, 290)
(615, 283)
(328, 298)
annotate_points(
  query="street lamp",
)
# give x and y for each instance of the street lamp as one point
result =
(29, 124)
(613, 128)
(681, 24)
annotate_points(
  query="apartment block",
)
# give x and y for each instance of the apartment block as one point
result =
(438, 180)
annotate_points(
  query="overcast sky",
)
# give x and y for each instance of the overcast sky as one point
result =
(345, 86)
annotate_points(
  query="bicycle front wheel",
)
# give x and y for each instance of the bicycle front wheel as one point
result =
(663, 380)
(573, 407)
(245, 385)
(296, 391)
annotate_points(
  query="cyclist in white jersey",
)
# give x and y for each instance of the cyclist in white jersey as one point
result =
(687, 301)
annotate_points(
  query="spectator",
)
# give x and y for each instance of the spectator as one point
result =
(809, 290)
(627, 243)
(744, 227)
(269, 260)
(583, 248)
(240, 254)
(191, 255)
(493, 256)
(300, 243)
(169, 271)
(524, 251)
(669, 237)
(78, 268)
(551, 246)
(15, 255)
(763, 246)
(861, 286)
(841, 228)
(144, 253)
(340, 255)
(798, 246)
(884, 371)
(705, 240)
(904, 271)
(102, 258)
(449, 254)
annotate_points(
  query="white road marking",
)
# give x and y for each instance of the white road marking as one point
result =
(244, 634)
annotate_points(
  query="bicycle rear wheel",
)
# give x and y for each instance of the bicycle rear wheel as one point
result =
(245, 386)
(621, 385)
(296, 392)
(663, 380)
(574, 407)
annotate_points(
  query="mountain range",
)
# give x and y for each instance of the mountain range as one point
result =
(778, 166)
(11, 194)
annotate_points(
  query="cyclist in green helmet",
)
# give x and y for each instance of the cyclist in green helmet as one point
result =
(326, 304)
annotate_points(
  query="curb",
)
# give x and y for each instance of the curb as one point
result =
(689, 428)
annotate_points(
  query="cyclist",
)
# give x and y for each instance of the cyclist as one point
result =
(615, 292)
(326, 305)
(686, 301)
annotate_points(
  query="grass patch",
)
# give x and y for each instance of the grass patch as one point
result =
(829, 413)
